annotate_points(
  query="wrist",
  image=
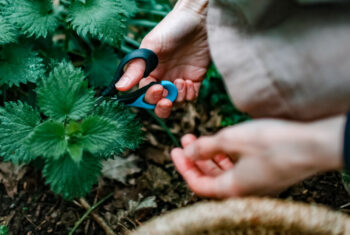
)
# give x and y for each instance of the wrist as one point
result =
(327, 136)
(199, 7)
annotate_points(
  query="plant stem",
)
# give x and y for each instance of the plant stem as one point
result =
(126, 49)
(143, 23)
(165, 128)
(97, 218)
(132, 42)
(154, 12)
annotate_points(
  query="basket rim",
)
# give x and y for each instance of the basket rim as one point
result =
(249, 212)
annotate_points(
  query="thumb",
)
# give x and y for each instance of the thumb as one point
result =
(133, 74)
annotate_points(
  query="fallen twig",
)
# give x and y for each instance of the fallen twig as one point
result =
(95, 216)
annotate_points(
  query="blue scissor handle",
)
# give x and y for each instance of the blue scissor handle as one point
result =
(172, 95)
(136, 98)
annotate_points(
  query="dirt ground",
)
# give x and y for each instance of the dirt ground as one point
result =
(147, 185)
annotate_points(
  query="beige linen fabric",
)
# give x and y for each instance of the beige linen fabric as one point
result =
(298, 68)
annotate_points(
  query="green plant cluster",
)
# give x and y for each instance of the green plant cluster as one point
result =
(213, 94)
(4, 230)
(71, 131)
(55, 55)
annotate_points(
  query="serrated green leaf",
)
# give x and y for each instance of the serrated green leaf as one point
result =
(48, 140)
(35, 18)
(71, 179)
(102, 66)
(19, 64)
(7, 32)
(98, 133)
(64, 94)
(129, 133)
(75, 151)
(129, 6)
(17, 121)
(102, 19)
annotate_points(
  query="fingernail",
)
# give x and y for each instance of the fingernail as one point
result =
(123, 82)
(190, 151)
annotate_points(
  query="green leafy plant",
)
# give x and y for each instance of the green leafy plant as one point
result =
(4, 230)
(36, 34)
(71, 132)
(55, 56)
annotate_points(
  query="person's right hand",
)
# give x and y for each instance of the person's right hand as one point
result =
(180, 41)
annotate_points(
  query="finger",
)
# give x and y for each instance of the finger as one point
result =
(154, 93)
(146, 81)
(203, 148)
(187, 139)
(181, 87)
(223, 162)
(190, 93)
(183, 164)
(132, 75)
(208, 167)
(163, 108)
(197, 86)
(207, 186)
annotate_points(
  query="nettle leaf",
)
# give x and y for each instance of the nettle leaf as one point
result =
(48, 140)
(101, 66)
(129, 133)
(17, 121)
(72, 179)
(65, 94)
(35, 17)
(98, 133)
(130, 7)
(102, 19)
(19, 64)
(8, 32)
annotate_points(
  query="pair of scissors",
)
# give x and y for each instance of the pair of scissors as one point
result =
(136, 98)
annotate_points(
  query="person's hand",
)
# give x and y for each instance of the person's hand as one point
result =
(180, 41)
(259, 157)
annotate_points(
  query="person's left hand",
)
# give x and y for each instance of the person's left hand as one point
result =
(259, 157)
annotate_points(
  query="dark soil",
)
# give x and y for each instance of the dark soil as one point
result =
(34, 209)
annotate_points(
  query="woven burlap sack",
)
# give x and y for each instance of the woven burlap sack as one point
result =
(249, 216)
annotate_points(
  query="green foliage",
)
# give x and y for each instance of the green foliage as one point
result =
(102, 19)
(7, 32)
(34, 17)
(71, 179)
(48, 140)
(123, 121)
(19, 64)
(4, 230)
(17, 121)
(45, 47)
(64, 94)
(101, 66)
(74, 138)
(213, 94)
(346, 180)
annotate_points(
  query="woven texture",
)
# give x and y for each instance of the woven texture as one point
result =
(249, 216)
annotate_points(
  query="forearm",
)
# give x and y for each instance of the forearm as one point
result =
(198, 6)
